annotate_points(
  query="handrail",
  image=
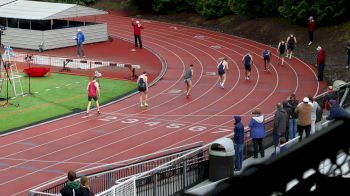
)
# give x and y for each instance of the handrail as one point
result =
(135, 160)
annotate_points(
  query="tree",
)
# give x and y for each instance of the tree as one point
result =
(212, 8)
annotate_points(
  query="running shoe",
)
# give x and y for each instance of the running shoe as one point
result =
(146, 104)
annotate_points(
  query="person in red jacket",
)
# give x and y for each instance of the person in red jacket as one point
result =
(137, 32)
(311, 25)
(321, 59)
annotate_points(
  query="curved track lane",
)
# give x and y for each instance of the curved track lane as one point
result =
(124, 130)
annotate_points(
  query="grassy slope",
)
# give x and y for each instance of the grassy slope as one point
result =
(55, 95)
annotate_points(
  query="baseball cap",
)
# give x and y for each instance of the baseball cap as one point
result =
(137, 22)
(306, 100)
(79, 30)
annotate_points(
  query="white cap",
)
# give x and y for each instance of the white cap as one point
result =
(306, 100)
(311, 18)
(318, 48)
(79, 30)
(137, 22)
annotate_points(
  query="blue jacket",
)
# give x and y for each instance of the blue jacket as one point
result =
(80, 37)
(257, 128)
(337, 113)
(238, 137)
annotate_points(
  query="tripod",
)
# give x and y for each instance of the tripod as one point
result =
(6, 65)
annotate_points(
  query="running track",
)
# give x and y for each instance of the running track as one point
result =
(124, 130)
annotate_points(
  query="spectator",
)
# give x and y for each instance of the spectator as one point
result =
(303, 111)
(80, 38)
(137, 32)
(85, 187)
(321, 59)
(337, 112)
(257, 132)
(292, 104)
(330, 95)
(348, 55)
(238, 140)
(72, 187)
(291, 42)
(280, 122)
(315, 107)
(311, 27)
(289, 111)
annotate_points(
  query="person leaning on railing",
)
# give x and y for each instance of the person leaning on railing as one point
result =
(336, 112)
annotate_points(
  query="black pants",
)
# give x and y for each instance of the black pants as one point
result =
(311, 36)
(301, 129)
(138, 39)
(257, 143)
(320, 68)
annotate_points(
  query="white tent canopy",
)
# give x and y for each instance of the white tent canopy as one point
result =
(36, 10)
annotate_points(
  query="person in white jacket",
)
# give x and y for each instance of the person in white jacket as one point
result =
(315, 107)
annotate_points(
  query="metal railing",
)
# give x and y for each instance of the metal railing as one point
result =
(104, 177)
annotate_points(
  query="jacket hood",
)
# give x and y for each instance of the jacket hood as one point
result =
(74, 185)
(237, 119)
(259, 119)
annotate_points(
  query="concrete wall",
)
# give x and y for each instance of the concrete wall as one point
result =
(58, 38)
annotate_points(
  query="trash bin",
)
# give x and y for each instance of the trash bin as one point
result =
(221, 159)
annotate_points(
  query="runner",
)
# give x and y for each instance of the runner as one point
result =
(291, 41)
(267, 56)
(188, 80)
(281, 49)
(222, 66)
(143, 89)
(248, 62)
(93, 93)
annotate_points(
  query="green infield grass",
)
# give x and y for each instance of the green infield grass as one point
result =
(53, 96)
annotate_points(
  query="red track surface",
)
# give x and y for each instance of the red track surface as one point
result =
(31, 157)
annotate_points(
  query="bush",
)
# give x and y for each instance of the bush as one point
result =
(325, 11)
(212, 8)
(170, 6)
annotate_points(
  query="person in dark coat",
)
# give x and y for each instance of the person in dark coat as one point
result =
(336, 112)
(72, 187)
(279, 124)
(289, 111)
(85, 187)
(257, 132)
(238, 140)
(292, 104)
